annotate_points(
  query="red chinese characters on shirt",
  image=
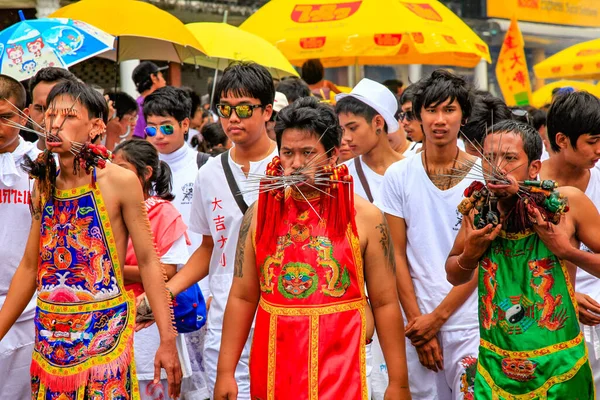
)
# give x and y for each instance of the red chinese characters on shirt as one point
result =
(13, 196)
(219, 221)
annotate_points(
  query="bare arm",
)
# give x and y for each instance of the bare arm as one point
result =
(23, 284)
(240, 310)
(333, 87)
(195, 269)
(469, 246)
(455, 274)
(586, 220)
(136, 220)
(131, 273)
(406, 290)
(380, 267)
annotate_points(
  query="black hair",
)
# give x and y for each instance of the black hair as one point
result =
(10, 88)
(194, 98)
(408, 94)
(168, 101)
(142, 154)
(123, 103)
(293, 88)
(487, 110)
(573, 114)
(246, 79)
(312, 71)
(214, 135)
(50, 74)
(393, 85)
(93, 101)
(351, 105)
(308, 114)
(439, 87)
(532, 141)
(538, 118)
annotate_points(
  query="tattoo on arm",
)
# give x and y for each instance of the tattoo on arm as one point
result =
(34, 203)
(388, 246)
(241, 244)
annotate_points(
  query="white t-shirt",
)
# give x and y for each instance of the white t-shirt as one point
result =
(432, 223)
(373, 179)
(15, 217)
(184, 168)
(585, 282)
(215, 213)
(147, 340)
(412, 149)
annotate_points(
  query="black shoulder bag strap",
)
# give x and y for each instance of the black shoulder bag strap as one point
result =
(363, 178)
(233, 186)
(201, 159)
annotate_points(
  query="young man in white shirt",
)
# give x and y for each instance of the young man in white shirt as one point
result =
(366, 116)
(17, 345)
(573, 125)
(244, 101)
(167, 113)
(419, 196)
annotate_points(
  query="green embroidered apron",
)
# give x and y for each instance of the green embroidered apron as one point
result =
(531, 344)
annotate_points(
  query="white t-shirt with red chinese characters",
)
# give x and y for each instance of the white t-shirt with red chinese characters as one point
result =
(15, 224)
(15, 217)
(215, 213)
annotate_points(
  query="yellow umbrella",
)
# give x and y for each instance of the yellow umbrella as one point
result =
(223, 43)
(543, 95)
(581, 61)
(367, 32)
(144, 31)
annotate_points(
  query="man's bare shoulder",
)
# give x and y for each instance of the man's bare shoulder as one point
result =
(116, 176)
(365, 211)
(570, 192)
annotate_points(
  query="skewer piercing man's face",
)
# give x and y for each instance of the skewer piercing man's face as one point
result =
(68, 121)
(301, 152)
(505, 160)
(9, 134)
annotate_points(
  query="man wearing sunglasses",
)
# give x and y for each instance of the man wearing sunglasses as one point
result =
(223, 190)
(409, 123)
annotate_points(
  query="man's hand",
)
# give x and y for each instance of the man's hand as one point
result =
(144, 317)
(226, 388)
(553, 236)
(168, 358)
(423, 328)
(589, 309)
(397, 392)
(477, 241)
(430, 355)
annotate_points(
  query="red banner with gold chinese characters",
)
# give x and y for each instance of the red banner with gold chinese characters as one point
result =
(511, 68)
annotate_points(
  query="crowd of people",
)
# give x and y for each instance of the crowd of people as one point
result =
(424, 242)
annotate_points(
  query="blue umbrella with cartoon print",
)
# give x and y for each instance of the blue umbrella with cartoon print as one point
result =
(30, 45)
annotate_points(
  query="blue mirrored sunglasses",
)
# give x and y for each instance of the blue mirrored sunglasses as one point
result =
(164, 129)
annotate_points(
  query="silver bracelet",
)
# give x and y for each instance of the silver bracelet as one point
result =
(463, 268)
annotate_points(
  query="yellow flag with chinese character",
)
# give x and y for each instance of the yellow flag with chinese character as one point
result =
(511, 68)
